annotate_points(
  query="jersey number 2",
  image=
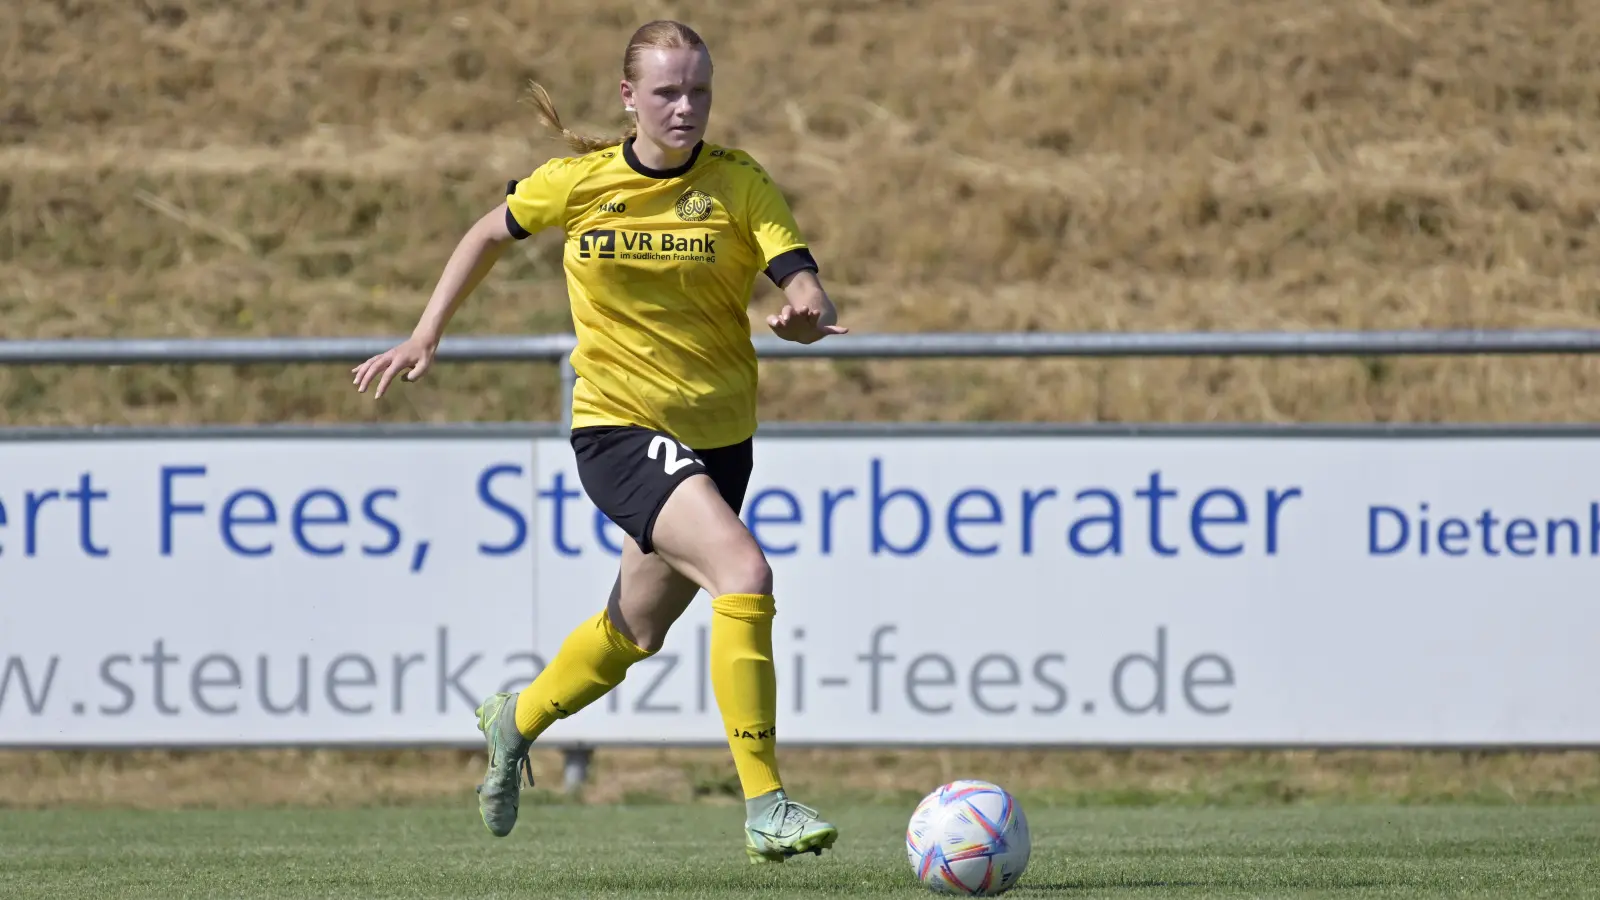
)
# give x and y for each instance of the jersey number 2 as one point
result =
(667, 452)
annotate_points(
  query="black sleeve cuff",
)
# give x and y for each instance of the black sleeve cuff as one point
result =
(786, 264)
(517, 231)
(512, 225)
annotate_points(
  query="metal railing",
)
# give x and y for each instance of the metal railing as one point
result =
(552, 347)
(957, 345)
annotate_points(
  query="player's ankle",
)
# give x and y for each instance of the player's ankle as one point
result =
(757, 807)
(509, 729)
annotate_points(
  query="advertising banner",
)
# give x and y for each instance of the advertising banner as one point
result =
(985, 589)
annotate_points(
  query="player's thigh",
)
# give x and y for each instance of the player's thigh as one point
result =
(648, 597)
(701, 536)
(710, 539)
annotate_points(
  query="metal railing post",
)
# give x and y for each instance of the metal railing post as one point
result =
(569, 380)
(575, 766)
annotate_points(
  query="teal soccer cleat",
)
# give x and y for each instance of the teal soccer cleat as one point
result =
(500, 792)
(787, 829)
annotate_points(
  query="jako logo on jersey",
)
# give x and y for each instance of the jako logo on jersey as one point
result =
(604, 243)
(694, 206)
(614, 206)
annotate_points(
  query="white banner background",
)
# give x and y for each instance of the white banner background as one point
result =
(1147, 590)
(214, 618)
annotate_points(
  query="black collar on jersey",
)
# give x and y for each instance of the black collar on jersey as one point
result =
(632, 159)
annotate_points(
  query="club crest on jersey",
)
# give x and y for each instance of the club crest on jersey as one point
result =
(694, 206)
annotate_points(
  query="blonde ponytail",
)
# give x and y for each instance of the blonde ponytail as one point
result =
(545, 108)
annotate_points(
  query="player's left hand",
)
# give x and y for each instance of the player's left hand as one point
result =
(801, 325)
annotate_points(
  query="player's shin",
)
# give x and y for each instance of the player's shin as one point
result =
(593, 659)
(745, 683)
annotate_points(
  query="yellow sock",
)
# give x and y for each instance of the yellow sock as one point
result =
(592, 660)
(745, 683)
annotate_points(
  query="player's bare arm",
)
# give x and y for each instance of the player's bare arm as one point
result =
(475, 255)
(808, 314)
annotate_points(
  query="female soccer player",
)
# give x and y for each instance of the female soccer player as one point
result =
(665, 235)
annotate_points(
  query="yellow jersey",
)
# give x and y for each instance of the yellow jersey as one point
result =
(659, 266)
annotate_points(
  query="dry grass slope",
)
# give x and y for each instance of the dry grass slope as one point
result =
(178, 167)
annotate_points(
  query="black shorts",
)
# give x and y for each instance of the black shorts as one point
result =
(629, 471)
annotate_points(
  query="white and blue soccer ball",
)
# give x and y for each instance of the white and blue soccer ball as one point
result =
(968, 838)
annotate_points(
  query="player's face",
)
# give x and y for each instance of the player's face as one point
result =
(672, 97)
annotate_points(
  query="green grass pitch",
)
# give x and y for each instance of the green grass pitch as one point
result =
(695, 851)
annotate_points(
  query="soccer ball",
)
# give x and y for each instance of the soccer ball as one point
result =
(968, 837)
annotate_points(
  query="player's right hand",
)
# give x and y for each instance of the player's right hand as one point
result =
(414, 355)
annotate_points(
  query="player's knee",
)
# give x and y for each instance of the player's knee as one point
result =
(645, 628)
(650, 636)
(747, 572)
